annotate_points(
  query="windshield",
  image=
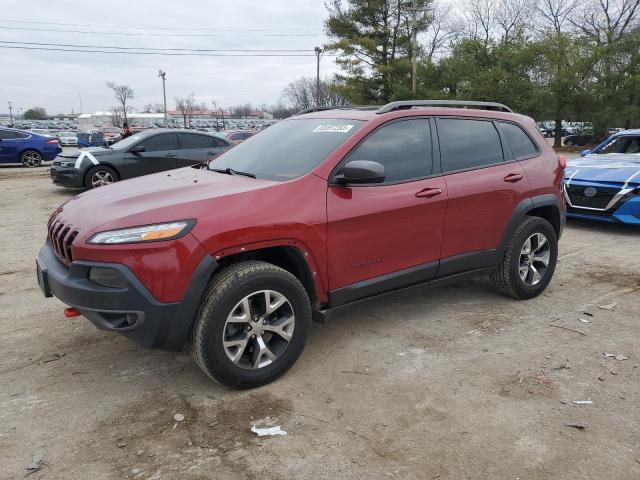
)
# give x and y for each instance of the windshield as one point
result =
(288, 149)
(67, 134)
(625, 144)
(127, 142)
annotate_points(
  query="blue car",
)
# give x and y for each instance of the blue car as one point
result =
(605, 183)
(27, 147)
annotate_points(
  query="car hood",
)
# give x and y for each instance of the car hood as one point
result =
(611, 168)
(96, 152)
(173, 195)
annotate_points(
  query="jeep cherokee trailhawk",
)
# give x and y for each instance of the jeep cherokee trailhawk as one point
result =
(327, 208)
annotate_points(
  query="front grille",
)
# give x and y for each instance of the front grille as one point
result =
(61, 237)
(600, 200)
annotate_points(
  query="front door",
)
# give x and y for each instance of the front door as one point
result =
(160, 154)
(384, 236)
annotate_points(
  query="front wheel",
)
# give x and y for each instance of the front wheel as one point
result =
(252, 324)
(100, 176)
(31, 158)
(529, 260)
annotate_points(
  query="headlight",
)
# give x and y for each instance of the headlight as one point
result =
(146, 233)
(67, 164)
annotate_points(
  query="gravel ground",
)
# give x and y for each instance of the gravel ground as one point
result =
(449, 383)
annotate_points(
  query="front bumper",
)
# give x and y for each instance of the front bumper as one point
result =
(67, 176)
(129, 309)
(625, 210)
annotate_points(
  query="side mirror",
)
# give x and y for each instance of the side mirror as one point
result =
(138, 149)
(360, 172)
(584, 153)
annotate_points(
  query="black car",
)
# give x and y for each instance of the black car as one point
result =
(146, 152)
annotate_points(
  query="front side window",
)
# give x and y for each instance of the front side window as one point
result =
(190, 141)
(403, 148)
(467, 144)
(158, 143)
(288, 149)
(521, 145)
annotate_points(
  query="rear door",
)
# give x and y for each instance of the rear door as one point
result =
(194, 148)
(160, 154)
(12, 144)
(394, 227)
(484, 184)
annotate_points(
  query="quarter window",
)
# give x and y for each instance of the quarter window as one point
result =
(404, 148)
(467, 144)
(158, 143)
(521, 145)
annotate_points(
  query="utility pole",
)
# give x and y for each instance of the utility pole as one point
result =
(318, 51)
(80, 98)
(414, 47)
(162, 75)
(10, 113)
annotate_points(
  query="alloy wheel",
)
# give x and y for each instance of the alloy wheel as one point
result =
(101, 178)
(258, 329)
(31, 159)
(534, 259)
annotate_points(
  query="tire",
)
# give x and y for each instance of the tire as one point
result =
(92, 178)
(243, 365)
(569, 143)
(31, 158)
(508, 279)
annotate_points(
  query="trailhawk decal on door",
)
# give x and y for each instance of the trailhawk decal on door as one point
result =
(88, 156)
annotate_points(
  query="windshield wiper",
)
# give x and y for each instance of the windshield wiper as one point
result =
(231, 171)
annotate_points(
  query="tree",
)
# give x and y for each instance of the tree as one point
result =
(35, 113)
(373, 38)
(301, 93)
(122, 93)
(186, 106)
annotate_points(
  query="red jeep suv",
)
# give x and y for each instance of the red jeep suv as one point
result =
(327, 208)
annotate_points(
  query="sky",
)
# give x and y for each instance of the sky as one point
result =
(60, 81)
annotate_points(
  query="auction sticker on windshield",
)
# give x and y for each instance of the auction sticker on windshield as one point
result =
(337, 128)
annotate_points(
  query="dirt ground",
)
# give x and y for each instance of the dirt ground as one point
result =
(450, 383)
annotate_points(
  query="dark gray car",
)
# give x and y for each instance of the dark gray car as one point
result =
(150, 151)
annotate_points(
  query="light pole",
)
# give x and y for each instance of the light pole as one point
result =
(318, 51)
(10, 114)
(162, 75)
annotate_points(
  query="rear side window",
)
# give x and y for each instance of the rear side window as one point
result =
(218, 142)
(7, 134)
(190, 141)
(467, 144)
(404, 148)
(521, 145)
(158, 143)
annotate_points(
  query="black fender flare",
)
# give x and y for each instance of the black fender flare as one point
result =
(523, 208)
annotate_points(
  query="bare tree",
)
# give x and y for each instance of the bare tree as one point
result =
(513, 16)
(555, 14)
(301, 93)
(481, 22)
(443, 28)
(116, 115)
(158, 108)
(186, 106)
(607, 21)
(123, 94)
(148, 108)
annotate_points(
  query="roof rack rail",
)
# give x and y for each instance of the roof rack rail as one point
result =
(407, 104)
(336, 107)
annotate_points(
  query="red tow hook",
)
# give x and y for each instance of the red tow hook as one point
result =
(71, 312)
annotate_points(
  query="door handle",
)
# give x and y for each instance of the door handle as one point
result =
(429, 192)
(513, 177)
(170, 155)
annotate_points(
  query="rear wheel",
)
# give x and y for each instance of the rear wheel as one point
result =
(252, 325)
(529, 260)
(31, 158)
(99, 176)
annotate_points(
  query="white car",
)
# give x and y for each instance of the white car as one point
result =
(68, 139)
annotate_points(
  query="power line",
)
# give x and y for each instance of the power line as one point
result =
(118, 52)
(138, 34)
(252, 50)
(191, 28)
